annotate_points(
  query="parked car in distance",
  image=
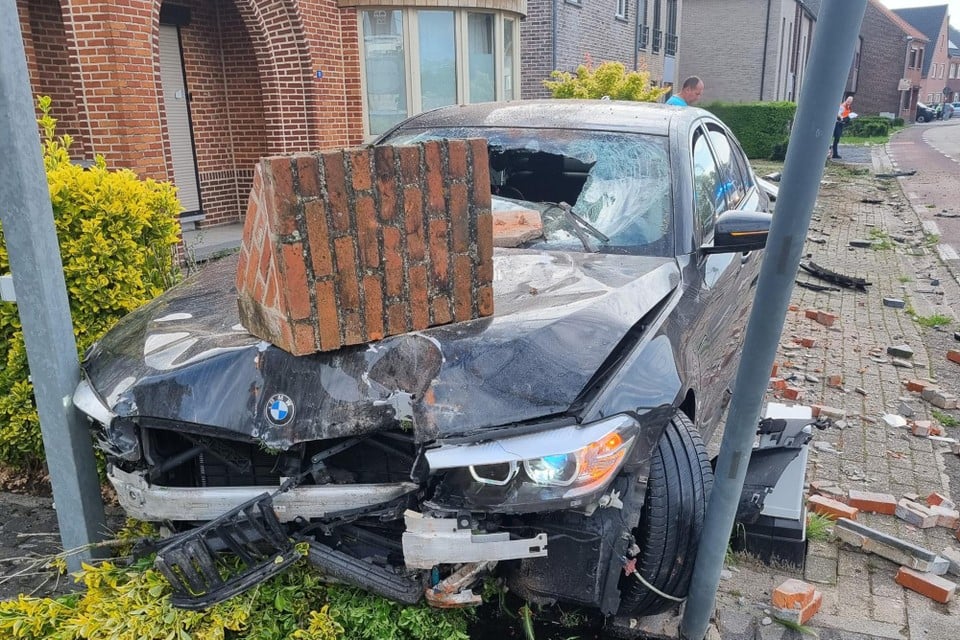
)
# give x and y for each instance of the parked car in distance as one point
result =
(925, 113)
(559, 443)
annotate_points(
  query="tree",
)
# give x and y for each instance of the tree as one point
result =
(608, 79)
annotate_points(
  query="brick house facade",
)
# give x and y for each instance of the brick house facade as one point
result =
(953, 70)
(641, 34)
(888, 64)
(256, 77)
(934, 23)
(747, 50)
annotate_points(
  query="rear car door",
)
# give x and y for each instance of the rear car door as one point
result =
(723, 181)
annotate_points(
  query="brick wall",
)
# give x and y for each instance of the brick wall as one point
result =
(591, 29)
(882, 59)
(536, 49)
(346, 247)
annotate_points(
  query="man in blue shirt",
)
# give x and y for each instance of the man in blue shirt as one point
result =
(689, 93)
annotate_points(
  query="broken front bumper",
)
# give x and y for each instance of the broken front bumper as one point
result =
(144, 501)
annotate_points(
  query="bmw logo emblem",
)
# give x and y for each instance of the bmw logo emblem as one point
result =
(279, 411)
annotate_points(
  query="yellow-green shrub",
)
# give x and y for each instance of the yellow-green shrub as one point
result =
(133, 603)
(607, 79)
(117, 234)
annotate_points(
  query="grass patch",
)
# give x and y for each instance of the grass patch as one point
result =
(862, 142)
(881, 240)
(931, 240)
(905, 279)
(945, 419)
(794, 626)
(819, 527)
(931, 321)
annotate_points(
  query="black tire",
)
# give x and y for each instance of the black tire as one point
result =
(671, 521)
(921, 119)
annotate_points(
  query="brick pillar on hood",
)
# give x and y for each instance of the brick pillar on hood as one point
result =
(350, 246)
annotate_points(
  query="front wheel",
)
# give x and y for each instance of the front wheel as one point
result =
(671, 522)
(921, 119)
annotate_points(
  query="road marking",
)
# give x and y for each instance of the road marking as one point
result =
(947, 252)
(930, 228)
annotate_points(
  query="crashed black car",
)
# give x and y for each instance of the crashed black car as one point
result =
(558, 443)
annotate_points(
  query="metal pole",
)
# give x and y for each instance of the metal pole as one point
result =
(37, 270)
(836, 33)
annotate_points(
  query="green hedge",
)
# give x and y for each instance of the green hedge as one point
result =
(868, 127)
(761, 127)
(117, 234)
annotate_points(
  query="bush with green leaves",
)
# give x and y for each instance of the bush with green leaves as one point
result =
(762, 128)
(868, 127)
(608, 79)
(117, 235)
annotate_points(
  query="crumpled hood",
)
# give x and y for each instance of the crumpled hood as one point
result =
(184, 357)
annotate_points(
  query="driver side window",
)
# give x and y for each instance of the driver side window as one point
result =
(709, 199)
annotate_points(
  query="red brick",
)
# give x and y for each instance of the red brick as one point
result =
(319, 238)
(373, 311)
(409, 165)
(826, 319)
(308, 175)
(335, 180)
(940, 499)
(348, 285)
(459, 219)
(457, 159)
(927, 584)
(793, 307)
(485, 301)
(386, 183)
(462, 288)
(807, 342)
(793, 594)
(835, 381)
(917, 385)
(397, 319)
(810, 314)
(870, 502)
(779, 384)
(328, 320)
(359, 160)
(435, 178)
(295, 284)
(419, 310)
(304, 339)
(440, 310)
(413, 223)
(773, 371)
(793, 393)
(953, 356)
(439, 255)
(485, 247)
(831, 508)
(367, 229)
(393, 261)
(481, 172)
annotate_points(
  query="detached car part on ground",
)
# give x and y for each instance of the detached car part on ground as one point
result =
(557, 443)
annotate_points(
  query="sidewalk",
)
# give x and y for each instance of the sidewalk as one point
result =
(861, 598)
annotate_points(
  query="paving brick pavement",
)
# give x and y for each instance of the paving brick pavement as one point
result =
(861, 599)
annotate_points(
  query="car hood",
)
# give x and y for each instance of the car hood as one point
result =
(184, 359)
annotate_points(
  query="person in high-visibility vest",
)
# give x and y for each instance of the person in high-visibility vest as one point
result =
(843, 118)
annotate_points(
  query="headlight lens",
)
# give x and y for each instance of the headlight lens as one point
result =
(560, 468)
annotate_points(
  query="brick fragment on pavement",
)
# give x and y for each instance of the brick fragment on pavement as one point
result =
(794, 307)
(953, 557)
(806, 341)
(946, 517)
(927, 584)
(871, 502)
(828, 489)
(953, 355)
(890, 547)
(916, 514)
(917, 386)
(773, 371)
(835, 380)
(923, 428)
(796, 601)
(894, 303)
(939, 398)
(940, 499)
(824, 318)
(831, 508)
(792, 393)
(900, 351)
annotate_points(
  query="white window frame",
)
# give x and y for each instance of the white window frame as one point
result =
(621, 9)
(411, 46)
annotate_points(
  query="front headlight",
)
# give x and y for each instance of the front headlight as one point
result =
(559, 468)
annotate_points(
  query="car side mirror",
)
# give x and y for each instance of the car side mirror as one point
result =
(739, 231)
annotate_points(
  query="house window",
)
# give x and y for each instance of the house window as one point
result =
(657, 32)
(643, 29)
(953, 71)
(622, 9)
(913, 59)
(919, 58)
(414, 60)
(670, 44)
(941, 70)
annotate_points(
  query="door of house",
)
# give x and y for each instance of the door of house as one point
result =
(177, 104)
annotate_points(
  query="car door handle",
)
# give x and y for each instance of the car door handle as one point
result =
(745, 257)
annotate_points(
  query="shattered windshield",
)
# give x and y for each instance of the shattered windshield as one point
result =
(574, 190)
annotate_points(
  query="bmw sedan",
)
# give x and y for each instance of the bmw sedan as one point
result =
(558, 444)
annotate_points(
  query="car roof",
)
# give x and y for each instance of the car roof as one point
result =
(605, 115)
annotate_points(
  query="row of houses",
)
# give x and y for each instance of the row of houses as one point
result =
(194, 91)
